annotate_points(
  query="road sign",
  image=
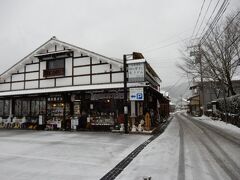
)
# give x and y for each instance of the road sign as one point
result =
(136, 94)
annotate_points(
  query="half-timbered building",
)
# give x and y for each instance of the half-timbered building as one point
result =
(59, 81)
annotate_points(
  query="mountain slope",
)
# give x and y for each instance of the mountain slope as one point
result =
(178, 92)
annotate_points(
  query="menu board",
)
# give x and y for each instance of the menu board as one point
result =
(76, 109)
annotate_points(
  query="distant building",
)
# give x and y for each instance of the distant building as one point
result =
(212, 91)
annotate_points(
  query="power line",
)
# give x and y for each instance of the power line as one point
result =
(212, 25)
(210, 18)
(232, 42)
(219, 14)
(204, 17)
(167, 39)
(198, 18)
(165, 46)
(228, 24)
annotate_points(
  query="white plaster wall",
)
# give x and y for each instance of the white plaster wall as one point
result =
(21, 69)
(16, 86)
(82, 70)
(101, 68)
(35, 60)
(96, 61)
(59, 48)
(76, 53)
(32, 67)
(30, 76)
(42, 67)
(8, 79)
(85, 54)
(81, 80)
(64, 82)
(115, 68)
(103, 78)
(51, 48)
(18, 77)
(5, 87)
(68, 66)
(117, 77)
(82, 61)
(31, 84)
(47, 83)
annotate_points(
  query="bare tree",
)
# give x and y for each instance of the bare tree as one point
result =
(220, 54)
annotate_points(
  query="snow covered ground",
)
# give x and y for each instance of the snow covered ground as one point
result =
(229, 128)
(158, 160)
(39, 155)
(189, 149)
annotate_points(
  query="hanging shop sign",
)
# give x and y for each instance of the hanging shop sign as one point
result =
(136, 94)
(106, 96)
(136, 72)
(55, 98)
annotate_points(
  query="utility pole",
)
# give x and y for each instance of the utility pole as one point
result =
(198, 55)
(201, 74)
(125, 94)
(225, 101)
(181, 102)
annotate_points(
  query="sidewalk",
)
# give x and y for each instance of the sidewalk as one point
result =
(127, 160)
(159, 160)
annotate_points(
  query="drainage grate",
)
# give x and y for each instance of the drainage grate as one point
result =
(112, 174)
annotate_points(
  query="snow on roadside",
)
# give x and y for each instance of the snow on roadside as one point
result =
(234, 130)
(159, 160)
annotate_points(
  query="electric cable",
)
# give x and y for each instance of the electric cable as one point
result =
(210, 18)
(219, 14)
(204, 17)
(198, 18)
(165, 46)
(228, 24)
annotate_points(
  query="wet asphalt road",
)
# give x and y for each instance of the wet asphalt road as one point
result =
(206, 152)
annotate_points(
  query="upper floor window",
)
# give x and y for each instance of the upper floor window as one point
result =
(56, 64)
(55, 68)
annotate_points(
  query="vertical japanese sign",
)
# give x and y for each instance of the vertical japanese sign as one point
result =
(136, 72)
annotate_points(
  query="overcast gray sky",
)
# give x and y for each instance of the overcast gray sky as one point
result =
(157, 28)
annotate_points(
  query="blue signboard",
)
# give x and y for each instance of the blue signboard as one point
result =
(136, 94)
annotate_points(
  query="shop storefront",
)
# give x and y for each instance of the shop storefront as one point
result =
(62, 86)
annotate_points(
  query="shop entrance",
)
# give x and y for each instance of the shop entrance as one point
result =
(58, 113)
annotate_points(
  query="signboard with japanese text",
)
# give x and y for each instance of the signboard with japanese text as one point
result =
(40, 120)
(136, 94)
(136, 72)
